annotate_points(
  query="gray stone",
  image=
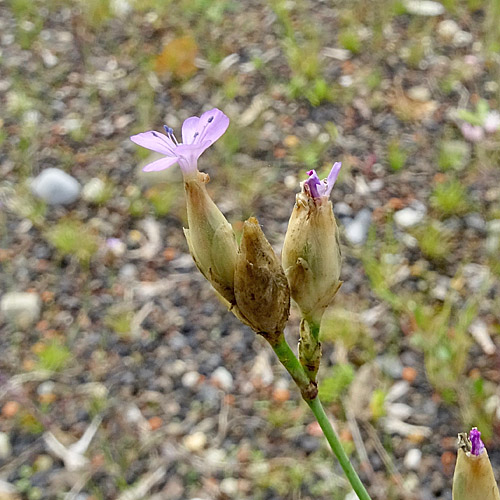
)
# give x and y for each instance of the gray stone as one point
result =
(390, 365)
(20, 308)
(356, 230)
(55, 187)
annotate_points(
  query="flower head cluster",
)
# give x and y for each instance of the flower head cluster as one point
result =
(198, 134)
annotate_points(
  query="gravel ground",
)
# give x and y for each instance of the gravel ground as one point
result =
(113, 340)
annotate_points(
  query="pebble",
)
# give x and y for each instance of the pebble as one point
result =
(475, 221)
(5, 446)
(447, 29)
(43, 463)
(424, 8)
(21, 308)
(390, 365)
(8, 491)
(341, 208)
(46, 387)
(412, 459)
(356, 230)
(229, 486)
(190, 379)
(410, 216)
(419, 93)
(195, 442)
(462, 39)
(93, 190)
(56, 187)
(223, 379)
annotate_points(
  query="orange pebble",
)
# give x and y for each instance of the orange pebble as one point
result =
(345, 435)
(10, 408)
(281, 395)
(155, 423)
(98, 460)
(448, 460)
(409, 374)
(169, 253)
(47, 398)
(313, 429)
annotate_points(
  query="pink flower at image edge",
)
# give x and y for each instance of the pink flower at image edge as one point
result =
(198, 134)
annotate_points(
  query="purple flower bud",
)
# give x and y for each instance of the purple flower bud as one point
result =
(317, 188)
(477, 444)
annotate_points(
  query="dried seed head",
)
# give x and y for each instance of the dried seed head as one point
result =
(260, 285)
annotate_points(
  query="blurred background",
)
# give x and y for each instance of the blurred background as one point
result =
(121, 375)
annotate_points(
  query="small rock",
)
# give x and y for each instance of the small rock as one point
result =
(195, 442)
(419, 93)
(46, 387)
(8, 491)
(43, 463)
(223, 379)
(229, 486)
(22, 309)
(462, 39)
(410, 216)
(56, 187)
(424, 7)
(341, 208)
(479, 330)
(94, 190)
(447, 29)
(190, 379)
(475, 221)
(356, 230)
(5, 446)
(390, 365)
(128, 272)
(413, 459)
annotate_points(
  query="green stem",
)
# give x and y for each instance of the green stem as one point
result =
(288, 359)
(309, 393)
(333, 441)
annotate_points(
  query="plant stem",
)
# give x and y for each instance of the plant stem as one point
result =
(309, 393)
(338, 450)
(288, 359)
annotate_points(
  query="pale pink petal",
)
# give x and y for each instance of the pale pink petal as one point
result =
(212, 125)
(160, 164)
(332, 177)
(191, 152)
(189, 129)
(154, 141)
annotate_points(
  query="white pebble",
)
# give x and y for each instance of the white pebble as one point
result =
(412, 459)
(195, 442)
(223, 379)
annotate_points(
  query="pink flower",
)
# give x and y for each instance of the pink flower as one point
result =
(198, 134)
(319, 188)
(473, 133)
